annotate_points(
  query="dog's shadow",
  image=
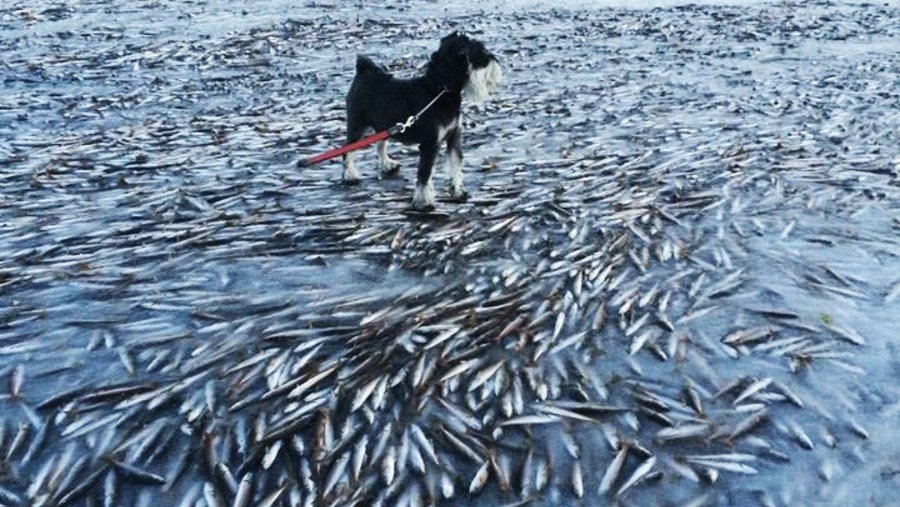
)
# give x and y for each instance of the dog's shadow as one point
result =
(391, 195)
(425, 216)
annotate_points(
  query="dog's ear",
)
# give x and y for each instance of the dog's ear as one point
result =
(462, 55)
(450, 37)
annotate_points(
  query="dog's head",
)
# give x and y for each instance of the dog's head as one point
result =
(467, 65)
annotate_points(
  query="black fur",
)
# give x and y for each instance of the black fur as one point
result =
(378, 101)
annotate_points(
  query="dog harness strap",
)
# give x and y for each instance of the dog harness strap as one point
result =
(372, 139)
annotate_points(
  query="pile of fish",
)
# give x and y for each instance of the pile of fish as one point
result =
(677, 279)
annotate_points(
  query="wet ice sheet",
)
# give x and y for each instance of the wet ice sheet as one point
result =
(664, 202)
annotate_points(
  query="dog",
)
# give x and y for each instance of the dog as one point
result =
(461, 67)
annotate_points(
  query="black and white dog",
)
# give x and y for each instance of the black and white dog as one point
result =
(377, 101)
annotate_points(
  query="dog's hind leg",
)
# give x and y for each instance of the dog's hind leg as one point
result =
(424, 196)
(454, 166)
(386, 164)
(351, 174)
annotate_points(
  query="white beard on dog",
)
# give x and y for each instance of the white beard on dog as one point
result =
(482, 82)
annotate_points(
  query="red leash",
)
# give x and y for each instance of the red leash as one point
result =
(372, 139)
(337, 152)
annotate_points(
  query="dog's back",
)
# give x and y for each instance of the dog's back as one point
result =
(371, 81)
(368, 75)
(366, 67)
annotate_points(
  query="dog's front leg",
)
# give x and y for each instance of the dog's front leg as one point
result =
(454, 166)
(424, 196)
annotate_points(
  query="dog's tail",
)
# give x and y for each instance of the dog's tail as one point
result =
(365, 65)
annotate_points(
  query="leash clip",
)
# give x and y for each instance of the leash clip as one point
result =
(401, 127)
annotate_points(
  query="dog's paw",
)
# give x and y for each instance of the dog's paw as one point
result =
(459, 194)
(423, 199)
(351, 177)
(422, 203)
(389, 170)
(422, 208)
